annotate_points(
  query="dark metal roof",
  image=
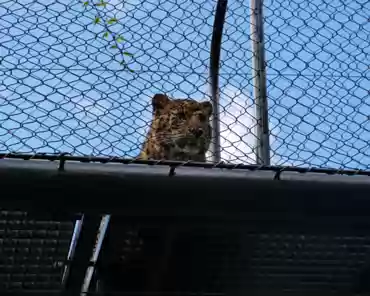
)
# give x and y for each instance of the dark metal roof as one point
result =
(32, 251)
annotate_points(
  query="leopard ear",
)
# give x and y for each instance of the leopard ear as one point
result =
(207, 106)
(159, 101)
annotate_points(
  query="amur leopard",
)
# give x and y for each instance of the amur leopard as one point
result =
(180, 130)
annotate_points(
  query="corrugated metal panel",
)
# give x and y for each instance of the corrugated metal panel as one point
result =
(32, 251)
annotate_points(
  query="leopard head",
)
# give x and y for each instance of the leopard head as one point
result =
(181, 127)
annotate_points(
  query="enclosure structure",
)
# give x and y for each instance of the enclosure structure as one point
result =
(289, 83)
(291, 232)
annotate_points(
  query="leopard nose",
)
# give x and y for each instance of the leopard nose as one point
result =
(197, 132)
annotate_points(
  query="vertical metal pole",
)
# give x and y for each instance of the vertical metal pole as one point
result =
(215, 148)
(81, 259)
(259, 78)
(72, 247)
(218, 25)
(101, 235)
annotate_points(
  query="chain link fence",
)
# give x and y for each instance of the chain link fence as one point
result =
(318, 82)
(64, 88)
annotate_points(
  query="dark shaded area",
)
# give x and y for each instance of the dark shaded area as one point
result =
(235, 258)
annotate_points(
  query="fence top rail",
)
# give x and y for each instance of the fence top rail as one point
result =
(278, 171)
(121, 186)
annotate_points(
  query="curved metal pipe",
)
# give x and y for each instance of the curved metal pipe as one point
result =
(218, 25)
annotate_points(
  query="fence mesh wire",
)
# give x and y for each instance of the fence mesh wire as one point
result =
(318, 81)
(63, 88)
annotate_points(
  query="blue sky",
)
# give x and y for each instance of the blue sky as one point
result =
(61, 90)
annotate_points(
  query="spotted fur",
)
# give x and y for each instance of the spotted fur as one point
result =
(180, 130)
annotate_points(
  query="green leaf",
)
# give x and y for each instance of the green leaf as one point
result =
(103, 4)
(112, 21)
(127, 54)
(97, 20)
(120, 39)
(105, 35)
(113, 46)
(86, 3)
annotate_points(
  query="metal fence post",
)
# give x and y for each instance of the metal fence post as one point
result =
(259, 82)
